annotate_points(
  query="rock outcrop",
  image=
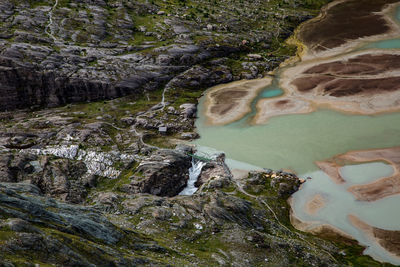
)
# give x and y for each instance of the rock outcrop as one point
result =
(46, 231)
(164, 173)
(61, 178)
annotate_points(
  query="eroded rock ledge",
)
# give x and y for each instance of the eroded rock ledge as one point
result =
(150, 230)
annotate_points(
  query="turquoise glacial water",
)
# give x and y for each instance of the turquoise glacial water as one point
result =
(385, 44)
(384, 213)
(295, 142)
(271, 93)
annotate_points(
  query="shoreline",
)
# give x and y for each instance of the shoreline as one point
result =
(323, 230)
(299, 103)
(296, 102)
(378, 235)
(230, 102)
(380, 188)
(350, 45)
(364, 103)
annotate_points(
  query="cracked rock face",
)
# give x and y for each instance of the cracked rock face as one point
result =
(66, 216)
(60, 178)
(164, 173)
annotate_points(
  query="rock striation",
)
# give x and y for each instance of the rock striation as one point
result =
(164, 173)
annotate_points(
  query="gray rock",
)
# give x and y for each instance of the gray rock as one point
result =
(164, 173)
(128, 121)
(19, 225)
(67, 218)
(189, 136)
(188, 110)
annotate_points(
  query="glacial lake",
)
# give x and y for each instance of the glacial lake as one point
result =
(296, 142)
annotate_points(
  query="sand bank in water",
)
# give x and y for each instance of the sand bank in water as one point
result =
(229, 102)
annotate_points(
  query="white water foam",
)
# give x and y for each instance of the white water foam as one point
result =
(194, 173)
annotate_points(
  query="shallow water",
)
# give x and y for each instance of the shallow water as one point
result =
(271, 93)
(366, 172)
(384, 213)
(385, 44)
(295, 142)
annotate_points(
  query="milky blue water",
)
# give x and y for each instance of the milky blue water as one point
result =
(296, 141)
(386, 44)
(271, 93)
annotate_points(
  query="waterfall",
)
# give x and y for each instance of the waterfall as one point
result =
(194, 173)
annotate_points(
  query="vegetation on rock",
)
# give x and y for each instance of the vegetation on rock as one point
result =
(154, 59)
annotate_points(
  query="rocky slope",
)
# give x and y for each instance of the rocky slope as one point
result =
(94, 183)
(218, 226)
(57, 52)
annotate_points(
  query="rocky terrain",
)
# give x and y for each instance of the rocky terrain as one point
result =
(98, 99)
(221, 225)
(57, 52)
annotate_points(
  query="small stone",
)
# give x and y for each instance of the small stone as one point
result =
(198, 226)
(254, 56)
(171, 110)
(128, 120)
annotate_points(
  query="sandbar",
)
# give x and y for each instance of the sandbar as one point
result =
(332, 170)
(342, 24)
(363, 83)
(267, 108)
(227, 103)
(381, 188)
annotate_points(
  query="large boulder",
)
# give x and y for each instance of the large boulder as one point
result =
(16, 203)
(61, 178)
(164, 173)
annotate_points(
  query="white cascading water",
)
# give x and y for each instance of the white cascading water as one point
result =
(194, 173)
